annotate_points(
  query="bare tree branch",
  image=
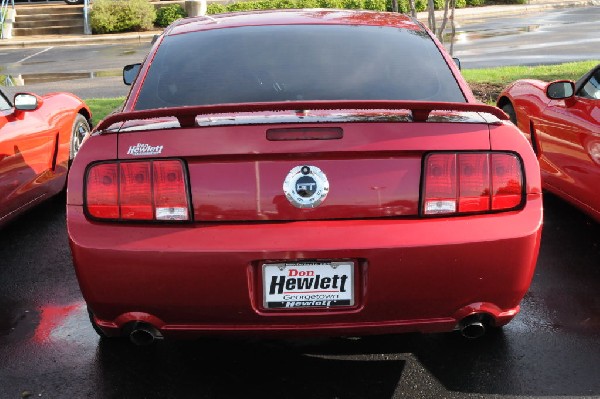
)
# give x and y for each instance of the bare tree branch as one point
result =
(440, 32)
(413, 9)
(431, 16)
(453, 35)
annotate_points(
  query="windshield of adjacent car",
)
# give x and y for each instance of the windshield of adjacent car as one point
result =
(4, 104)
(592, 87)
(297, 63)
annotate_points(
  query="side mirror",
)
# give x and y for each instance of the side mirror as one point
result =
(130, 72)
(27, 102)
(457, 62)
(560, 90)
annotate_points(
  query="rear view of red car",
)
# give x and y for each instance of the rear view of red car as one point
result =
(298, 173)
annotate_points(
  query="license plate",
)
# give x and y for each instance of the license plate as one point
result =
(308, 285)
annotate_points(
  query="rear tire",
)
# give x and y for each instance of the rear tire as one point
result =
(79, 132)
(510, 111)
(73, 2)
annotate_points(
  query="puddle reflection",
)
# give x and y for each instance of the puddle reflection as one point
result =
(53, 319)
(466, 36)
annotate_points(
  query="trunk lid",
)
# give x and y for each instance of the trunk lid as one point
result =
(244, 172)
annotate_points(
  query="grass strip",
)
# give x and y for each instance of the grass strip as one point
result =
(505, 75)
(103, 106)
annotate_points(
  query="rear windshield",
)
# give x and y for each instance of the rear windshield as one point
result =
(297, 63)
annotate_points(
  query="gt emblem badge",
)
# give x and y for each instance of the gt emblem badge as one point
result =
(306, 186)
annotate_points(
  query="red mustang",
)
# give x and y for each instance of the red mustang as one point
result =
(302, 172)
(562, 121)
(39, 137)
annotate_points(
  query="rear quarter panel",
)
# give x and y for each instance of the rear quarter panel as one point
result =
(60, 109)
(505, 138)
(529, 100)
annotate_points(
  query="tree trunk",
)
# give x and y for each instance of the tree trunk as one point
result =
(413, 9)
(431, 16)
(440, 32)
(395, 5)
(453, 34)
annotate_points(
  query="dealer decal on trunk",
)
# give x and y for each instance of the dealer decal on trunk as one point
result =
(144, 149)
(297, 285)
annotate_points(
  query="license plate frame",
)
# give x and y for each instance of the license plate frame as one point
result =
(308, 285)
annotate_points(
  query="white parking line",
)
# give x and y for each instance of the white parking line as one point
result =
(33, 55)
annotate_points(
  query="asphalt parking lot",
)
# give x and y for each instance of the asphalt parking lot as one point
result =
(48, 349)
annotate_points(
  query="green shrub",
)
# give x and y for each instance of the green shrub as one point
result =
(216, 8)
(108, 16)
(243, 6)
(279, 4)
(309, 4)
(331, 3)
(403, 7)
(354, 4)
(166, 15)
(375, 5)
(475, 3)
(420, 5)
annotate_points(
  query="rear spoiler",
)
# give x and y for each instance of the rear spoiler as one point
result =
(186, 116)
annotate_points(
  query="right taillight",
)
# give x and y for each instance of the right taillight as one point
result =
(471, 182)
(153, 190)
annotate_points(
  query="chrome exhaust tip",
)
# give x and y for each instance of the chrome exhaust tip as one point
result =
(473, 330)
(143, 334)
(473, 327)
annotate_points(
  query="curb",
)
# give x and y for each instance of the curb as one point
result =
(130, 38)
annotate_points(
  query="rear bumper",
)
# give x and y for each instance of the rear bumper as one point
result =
(411, 275)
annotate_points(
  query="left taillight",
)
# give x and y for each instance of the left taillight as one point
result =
(478, 182)
(153, 190)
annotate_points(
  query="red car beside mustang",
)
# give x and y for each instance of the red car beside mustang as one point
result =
(302, 172)
(39, 137)
(562, 121)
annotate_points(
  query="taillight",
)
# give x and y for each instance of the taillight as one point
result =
(144, 190)
(170, 194)
(135, 191)
(102, 191)
(458, 183)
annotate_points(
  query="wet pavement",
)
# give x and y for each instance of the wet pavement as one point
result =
(93, 71)
(551, 37)
(48, 348)
(483, 40)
